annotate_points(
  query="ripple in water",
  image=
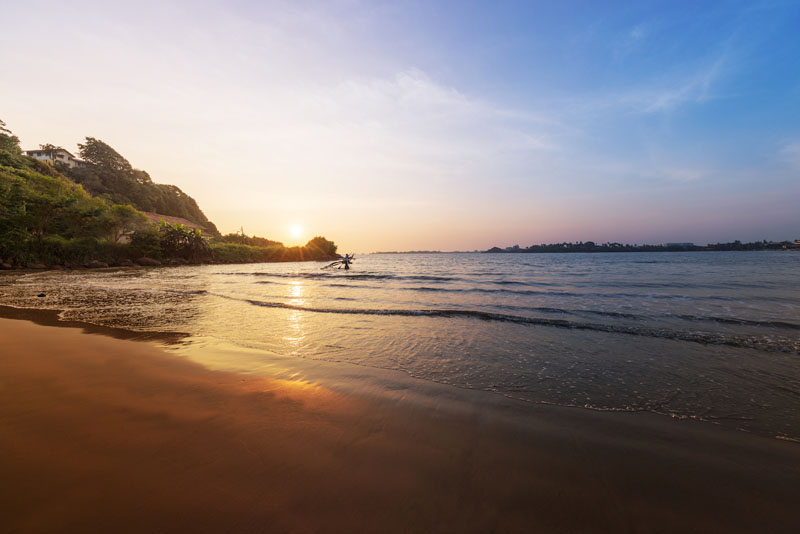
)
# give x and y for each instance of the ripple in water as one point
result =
(712, 336)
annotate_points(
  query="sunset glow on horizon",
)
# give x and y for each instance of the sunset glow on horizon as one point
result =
(297, 234)
(431, 125)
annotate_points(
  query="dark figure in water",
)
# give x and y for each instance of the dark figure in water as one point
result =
(344, 262)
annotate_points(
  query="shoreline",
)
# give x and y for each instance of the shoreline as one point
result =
(382, 384)
(99, 433)
(50, 317)
(27, 269)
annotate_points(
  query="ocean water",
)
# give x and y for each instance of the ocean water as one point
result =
(712, 336)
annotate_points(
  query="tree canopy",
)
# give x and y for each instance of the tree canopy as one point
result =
(98, 153)
(8, 141)
(109, 175)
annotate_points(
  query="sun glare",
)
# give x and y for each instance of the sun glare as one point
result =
(296, 231)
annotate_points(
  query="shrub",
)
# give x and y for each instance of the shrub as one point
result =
(146, 242)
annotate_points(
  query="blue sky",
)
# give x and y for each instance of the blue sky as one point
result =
(442, 125)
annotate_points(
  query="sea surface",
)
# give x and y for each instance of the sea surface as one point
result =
(713, 336)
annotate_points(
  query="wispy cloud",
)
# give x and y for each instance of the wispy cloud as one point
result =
(637, 33)
(364, 137)
(669, 94)
(626, 43)
(682, 174)
(406, 126)
(790, 153)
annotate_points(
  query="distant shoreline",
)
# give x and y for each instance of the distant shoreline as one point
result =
(523, 251)
(591, 246)
(620, 251)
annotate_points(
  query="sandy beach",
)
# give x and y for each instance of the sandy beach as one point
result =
(99, 434)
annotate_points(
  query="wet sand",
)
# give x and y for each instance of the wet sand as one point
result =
(99, 434)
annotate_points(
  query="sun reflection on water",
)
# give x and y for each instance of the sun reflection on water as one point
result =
(295, 292)
(295, 322)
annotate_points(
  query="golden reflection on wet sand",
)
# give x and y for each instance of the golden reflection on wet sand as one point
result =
(101, 435)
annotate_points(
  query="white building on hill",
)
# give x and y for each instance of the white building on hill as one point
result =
(57, 155)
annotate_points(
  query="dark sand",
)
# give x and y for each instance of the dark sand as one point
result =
(107, 435)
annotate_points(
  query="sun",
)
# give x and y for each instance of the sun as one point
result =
(296, 231)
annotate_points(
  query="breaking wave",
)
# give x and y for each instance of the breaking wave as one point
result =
(707, 338)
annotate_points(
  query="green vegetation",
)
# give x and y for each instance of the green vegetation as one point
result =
(111, 176)
(231, 250)
(254, 241)
(47, 218)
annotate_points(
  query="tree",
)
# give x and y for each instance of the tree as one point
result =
(147, 241)
(122, 220)
(255, 241)
(319, 247)
(141, 177)
(181, 241)
(98, 153)
(44, 205)
(8, 141)
(111, 174)
(50, 151)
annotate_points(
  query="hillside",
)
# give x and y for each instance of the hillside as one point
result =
(108, 174)
(47, 219)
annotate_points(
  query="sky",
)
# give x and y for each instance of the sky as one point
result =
(431, 125)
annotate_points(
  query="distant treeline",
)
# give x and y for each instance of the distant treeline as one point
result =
(317, 249)
(48, 219)
(591, 246)
(255, 241)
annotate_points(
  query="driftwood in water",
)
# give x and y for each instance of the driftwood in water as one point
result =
(341, 264)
